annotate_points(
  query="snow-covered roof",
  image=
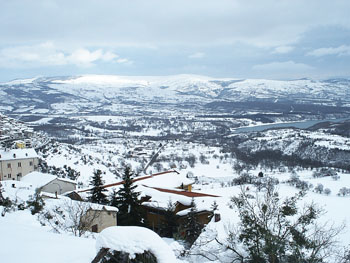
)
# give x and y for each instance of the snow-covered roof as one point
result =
(17, 154)
(167, 180)
(183, 192)
(135, 240)
(186, 211)
(160, 199)
(37, 179)
(66, 180)
(102, 207)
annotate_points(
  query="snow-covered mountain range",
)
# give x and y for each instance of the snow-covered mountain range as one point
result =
(91, 92)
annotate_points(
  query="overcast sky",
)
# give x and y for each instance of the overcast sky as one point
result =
(275, 39)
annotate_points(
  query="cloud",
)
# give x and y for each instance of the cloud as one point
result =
(343, 50)
(47, 54)
(196, 22)
(286, 69)
(287, 65)
(84, 57)
(124, 61)
(197, 55)
(283, 50)
(237, 34)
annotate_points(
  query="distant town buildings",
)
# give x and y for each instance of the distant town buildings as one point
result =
(11, 129)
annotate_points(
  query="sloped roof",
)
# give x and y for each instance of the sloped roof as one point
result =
(37, 179)
(17, 154)
(100, 207)
(175, 181)
(185, 193)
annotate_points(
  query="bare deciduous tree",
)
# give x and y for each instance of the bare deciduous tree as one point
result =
(72, 216)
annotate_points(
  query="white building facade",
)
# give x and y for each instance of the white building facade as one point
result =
(16, 163)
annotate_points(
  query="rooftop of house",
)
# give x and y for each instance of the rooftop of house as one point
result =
(160, 198)
(99, 207)
(38, 179)
(185, 193)
(17, 154)
(168, 179)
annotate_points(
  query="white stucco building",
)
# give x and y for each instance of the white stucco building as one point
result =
(16, 163)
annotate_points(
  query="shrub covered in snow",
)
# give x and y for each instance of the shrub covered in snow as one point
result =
(344, 191)
(133, 241)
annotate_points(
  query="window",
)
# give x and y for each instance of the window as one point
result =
(8, 165)
(94, 228)
(19, 175)
(19, 164)
(9, 176)
(30, 163)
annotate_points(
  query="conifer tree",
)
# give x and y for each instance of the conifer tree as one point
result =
(113, 199)
(97, 192)
(192, 226)
(169, 227)
(128, 203)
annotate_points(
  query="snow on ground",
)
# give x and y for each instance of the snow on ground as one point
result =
(41, 121)
(40, 111)
(23, 239)
(334, 207)
(37, 244)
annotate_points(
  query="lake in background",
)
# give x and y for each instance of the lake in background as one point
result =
(299, 125)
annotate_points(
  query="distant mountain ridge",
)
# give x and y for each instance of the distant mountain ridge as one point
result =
(79, 93)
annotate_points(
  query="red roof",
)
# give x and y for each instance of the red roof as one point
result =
(134, 180)
(185, 193)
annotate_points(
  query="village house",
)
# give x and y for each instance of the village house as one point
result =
(16, 163)
(155, 204)
(49, 183)
(90, 216)
(101, 217)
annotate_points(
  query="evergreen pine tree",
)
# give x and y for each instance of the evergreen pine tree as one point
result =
(113, 199)
(169, 226)
(192, 226)
(97, 192)
(128, 203)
